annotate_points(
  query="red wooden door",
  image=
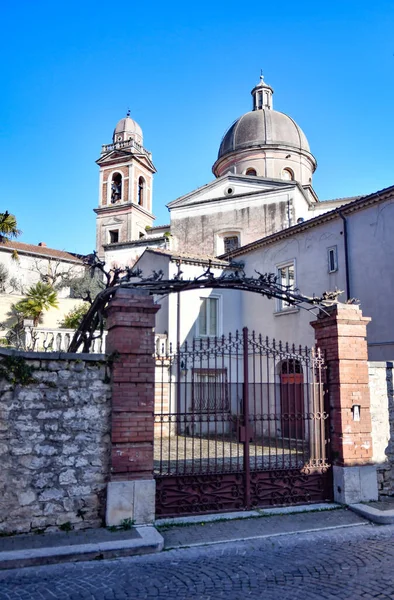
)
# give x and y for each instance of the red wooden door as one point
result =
(292, 405)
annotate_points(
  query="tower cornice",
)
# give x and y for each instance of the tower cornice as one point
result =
(114, 208)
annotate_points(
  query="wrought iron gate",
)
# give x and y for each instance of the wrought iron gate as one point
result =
(240, 423)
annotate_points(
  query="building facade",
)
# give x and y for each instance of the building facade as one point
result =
(262, 212)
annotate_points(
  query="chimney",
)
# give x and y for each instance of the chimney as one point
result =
(43, 244)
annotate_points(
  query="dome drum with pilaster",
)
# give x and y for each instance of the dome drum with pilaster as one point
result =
(270, 140)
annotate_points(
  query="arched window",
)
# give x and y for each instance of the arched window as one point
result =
(251, 172)
(116, 188)
(287, 174)
(290, 366)
(141, 191)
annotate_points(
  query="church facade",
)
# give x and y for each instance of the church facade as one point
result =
(260, 211)
(263, 184)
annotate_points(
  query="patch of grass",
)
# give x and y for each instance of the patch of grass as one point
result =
(127, 524)
(66, 526)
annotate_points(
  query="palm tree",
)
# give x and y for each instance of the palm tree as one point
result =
(8, 226)
(39, 298)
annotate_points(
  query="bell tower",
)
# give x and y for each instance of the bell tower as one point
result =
(125, 189)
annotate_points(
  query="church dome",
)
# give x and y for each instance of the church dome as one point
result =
(263, 127)
(127, 129)
(265, 143)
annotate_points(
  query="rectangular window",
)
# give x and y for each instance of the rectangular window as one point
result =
(286, 278)
(332, 255)
(231, 243)
(210, 393)
(114, 236)
(208, 317)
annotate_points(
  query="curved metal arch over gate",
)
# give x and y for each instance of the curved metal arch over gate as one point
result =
(232, 433)
(233, 277)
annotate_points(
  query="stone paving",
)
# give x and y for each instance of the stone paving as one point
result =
(346, 564)
(187, 454)
(237, 529)
(384, 504)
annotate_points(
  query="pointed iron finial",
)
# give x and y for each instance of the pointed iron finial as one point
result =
(128, 112)
(261, 76)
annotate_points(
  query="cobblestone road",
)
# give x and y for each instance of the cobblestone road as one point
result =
(343, 564)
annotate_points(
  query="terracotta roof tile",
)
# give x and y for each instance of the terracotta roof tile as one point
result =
(43, 251)
(344, 199)
(160, 227)
(187, 256)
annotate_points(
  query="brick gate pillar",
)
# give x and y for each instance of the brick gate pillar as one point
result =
(341, 335)
(131, 342)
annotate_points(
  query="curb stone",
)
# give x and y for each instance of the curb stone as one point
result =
(380, 517)
(148, 542)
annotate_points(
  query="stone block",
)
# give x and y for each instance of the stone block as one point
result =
(355, 484)
(133, 500)
(26, 498)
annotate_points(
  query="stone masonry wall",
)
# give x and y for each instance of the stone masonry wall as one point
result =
(54, 442)
(382, 413)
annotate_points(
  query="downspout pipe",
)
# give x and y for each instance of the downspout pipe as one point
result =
(347, 259)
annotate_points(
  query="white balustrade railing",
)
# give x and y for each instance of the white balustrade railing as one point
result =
(39, 339)
(126, 144)
(56, 340)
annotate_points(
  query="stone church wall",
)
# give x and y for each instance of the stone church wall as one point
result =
(54, 441)
(198, 232)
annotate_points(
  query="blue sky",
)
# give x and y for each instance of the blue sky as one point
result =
(70, 70)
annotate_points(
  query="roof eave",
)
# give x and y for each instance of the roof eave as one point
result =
(361, 203)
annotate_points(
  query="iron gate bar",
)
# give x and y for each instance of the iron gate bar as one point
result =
(246, 416)
(242, 424)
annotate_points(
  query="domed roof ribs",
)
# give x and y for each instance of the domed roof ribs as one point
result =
(298, 130)
(264, 128)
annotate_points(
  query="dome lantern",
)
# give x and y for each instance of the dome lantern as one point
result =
(262, 95)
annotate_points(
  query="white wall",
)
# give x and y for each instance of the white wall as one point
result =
(51, 318)
(26, 271)
(371, 250)
(371, 260)
(148, 263)
(230, 314)
(309, 251)
(127, 256)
